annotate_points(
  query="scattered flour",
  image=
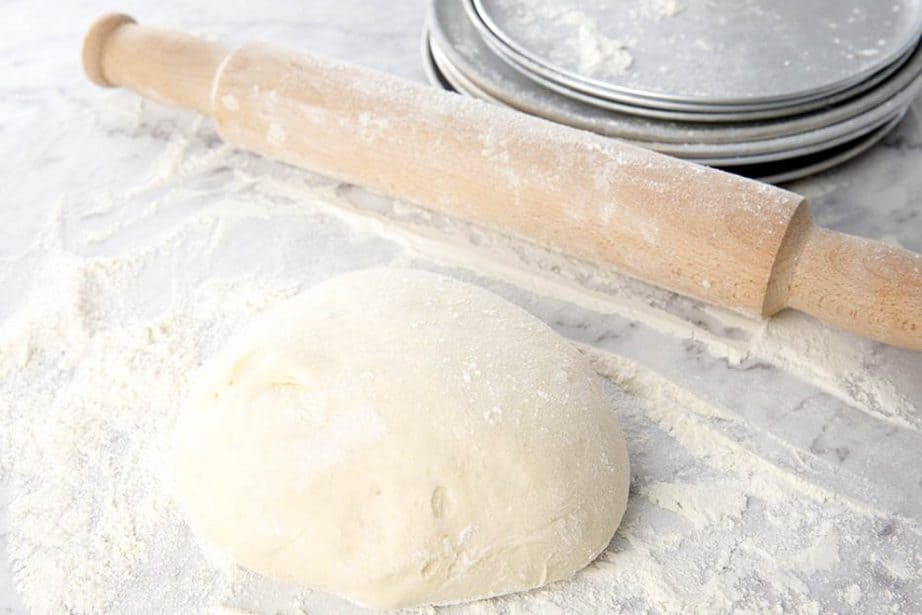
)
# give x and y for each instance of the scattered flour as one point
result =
(852, 594)
(701, 505)
(576, 34)
(822, 555)
(658, 9)
(276, 135)
(128, 289)
(597, 54)
(569, 35)
(229, 101)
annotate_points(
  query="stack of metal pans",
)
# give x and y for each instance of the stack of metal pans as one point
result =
(773, 89)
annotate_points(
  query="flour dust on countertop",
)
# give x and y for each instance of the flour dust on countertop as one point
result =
(765, 456)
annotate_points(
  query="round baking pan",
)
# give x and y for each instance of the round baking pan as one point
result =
(432, 73)
(710, 53)
(772, 172)
(741, 154)
(458, 40)
(694, 113)
(797, 168)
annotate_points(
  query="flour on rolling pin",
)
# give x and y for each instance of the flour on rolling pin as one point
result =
(714, 236)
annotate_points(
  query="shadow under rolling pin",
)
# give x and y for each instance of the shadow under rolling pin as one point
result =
(720, 238)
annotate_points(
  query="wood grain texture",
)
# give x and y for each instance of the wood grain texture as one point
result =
(721, 238)
(165, 66)
(698, 231)
(860, 285)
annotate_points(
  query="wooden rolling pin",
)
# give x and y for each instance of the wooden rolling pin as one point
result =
(720, 238)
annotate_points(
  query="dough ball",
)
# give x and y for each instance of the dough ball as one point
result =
(401, 438)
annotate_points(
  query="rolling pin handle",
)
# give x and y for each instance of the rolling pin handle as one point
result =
(94, 46)
(863, 286)
(166, 66)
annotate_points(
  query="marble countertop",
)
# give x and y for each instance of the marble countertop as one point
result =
(61, 138)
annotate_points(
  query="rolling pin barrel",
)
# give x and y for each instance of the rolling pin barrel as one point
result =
(721, 238)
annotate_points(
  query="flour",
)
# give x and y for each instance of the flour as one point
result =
(571, 37)
(822, 555)
(86, 435)
(276, 135)
(701, 505)
(658, 9)
(576, 35)
(852, 594)
(130, 287)
(597, 54)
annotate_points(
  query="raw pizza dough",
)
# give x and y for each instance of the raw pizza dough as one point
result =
(402, 438)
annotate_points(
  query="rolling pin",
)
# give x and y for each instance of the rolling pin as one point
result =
(720, 238)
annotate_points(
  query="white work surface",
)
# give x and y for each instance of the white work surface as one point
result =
(774, 467)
